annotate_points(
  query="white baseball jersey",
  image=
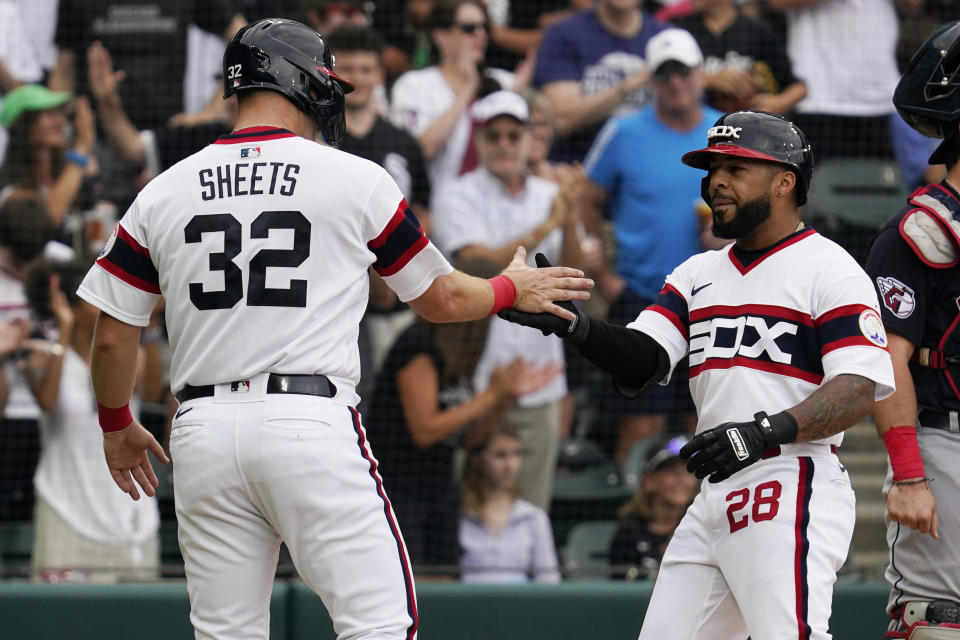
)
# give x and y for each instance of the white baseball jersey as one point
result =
(765, 331)
(260, 244)
(758, 553)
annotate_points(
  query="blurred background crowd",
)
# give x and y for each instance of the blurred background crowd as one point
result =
(553, 124)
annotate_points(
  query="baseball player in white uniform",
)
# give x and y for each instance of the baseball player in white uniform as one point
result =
(786, 350)
(260, 244)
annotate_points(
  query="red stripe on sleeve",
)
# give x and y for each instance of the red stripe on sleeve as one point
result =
(395, 221)
(130, 241)
(852, 341)
(672, 317)
(404, 258)
(839, 312)
(669, 288)
(132, 280)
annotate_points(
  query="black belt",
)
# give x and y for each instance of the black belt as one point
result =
(306, 385)
(936, 419)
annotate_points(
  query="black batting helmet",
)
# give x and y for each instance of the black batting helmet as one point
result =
(289, 57)
(928, 95)
(757, 135)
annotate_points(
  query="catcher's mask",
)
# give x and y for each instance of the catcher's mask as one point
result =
(756, 135)
(928, 95)
(293, 59)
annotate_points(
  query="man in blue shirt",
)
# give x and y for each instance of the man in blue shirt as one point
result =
(635, 166)
(591, 66)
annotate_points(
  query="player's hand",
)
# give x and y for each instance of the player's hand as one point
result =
(914, 506)
(545, 289)
(722, 451)
(126, 454)
(574, 328)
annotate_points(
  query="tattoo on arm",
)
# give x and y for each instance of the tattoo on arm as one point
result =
(833, 407)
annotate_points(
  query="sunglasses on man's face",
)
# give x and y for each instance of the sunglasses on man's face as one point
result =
(668, 69)
(470, 28)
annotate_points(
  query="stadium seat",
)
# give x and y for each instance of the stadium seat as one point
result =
(16, 548)
(861, 191)
(584, 471)
(585, 554)
(851, 198)
(586, 487)
(632, 469)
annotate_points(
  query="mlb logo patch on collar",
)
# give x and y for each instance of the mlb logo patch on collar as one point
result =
(250, 152)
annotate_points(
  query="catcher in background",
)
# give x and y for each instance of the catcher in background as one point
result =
(913, 262)
(786, 350)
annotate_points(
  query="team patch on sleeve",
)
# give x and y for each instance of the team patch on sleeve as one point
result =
(398, 243)
(849, 326)
(122, 256)
(673, 306)
(896, 296)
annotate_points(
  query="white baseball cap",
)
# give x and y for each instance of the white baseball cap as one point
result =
(500, 103)
(673, 44)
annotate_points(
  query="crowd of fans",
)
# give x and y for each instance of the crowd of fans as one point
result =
(556, 125)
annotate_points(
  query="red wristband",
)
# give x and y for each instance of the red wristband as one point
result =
(504, 293)
(901, 443)
(114, 419)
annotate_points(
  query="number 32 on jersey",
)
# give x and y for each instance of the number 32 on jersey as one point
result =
(258, 294)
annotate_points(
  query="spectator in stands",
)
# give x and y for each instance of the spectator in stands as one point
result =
(150, 38)
(591, 66)
(82, 524)
(504, 538)
(153, 150)
(543, 129)
(19, 59)
(359, 61)
(423, 404)
(12, 335)
(746, 63)
(646, 523)
(43, 160)
(326, 16)
(358, 51)
(635, 164)
(25, 229)
(488, 213)
(517, 26)
(405, 27)
(844, 52)
(433, 103)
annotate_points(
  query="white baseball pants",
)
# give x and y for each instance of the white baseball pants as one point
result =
(758, 553)
(252, 469)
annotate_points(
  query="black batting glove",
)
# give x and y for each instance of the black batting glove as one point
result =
(722, 451)
(575, 331)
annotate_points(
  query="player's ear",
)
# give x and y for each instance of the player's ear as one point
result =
(784, 181)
